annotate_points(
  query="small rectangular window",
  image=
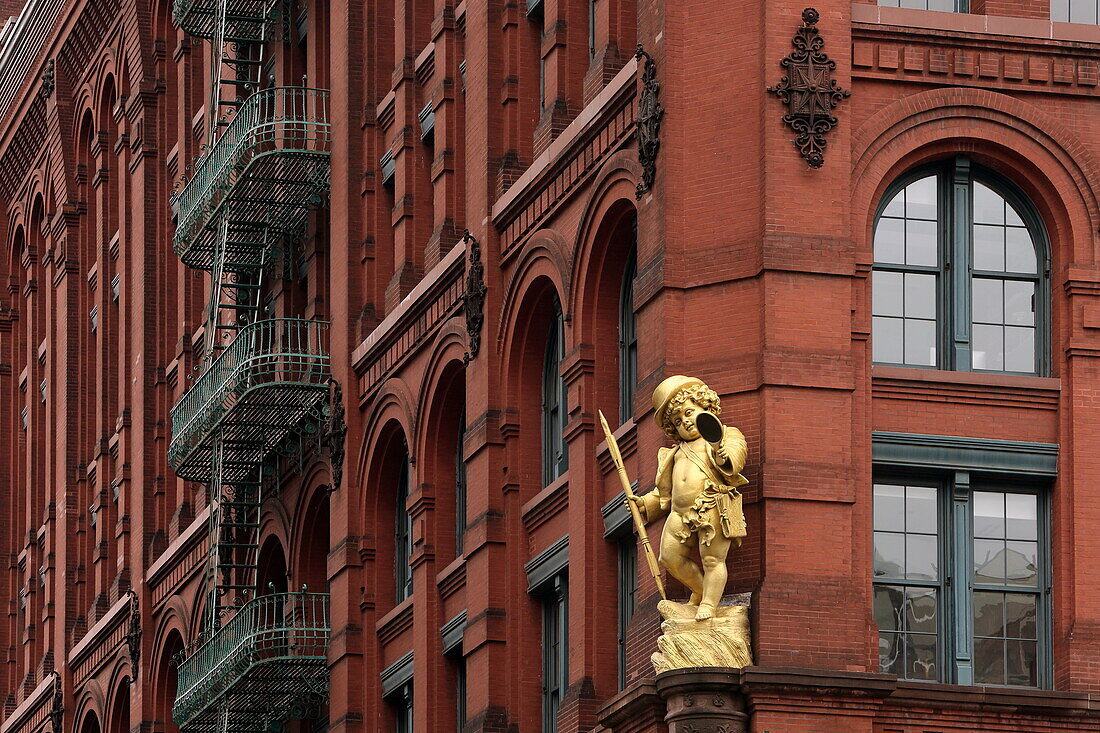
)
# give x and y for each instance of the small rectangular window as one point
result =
(402, 703)
(950, 6)
(555, 651)
(628, 589)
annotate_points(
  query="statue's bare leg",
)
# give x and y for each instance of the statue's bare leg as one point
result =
(714, 575)
(676, 556)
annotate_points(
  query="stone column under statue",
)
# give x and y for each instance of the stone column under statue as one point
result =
(696, 490)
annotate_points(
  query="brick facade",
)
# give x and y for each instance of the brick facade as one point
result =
(753, 273)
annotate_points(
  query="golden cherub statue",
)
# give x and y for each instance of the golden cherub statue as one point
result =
(696, 487)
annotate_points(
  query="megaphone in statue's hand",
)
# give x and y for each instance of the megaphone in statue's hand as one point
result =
(710, 427)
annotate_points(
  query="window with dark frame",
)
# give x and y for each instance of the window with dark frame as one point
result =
(403, 534)
(460, 486)
(402, 703)
(555, 650)
(961, 581)
(460, 692)
(628, 589)
(960, 279)
(555, 456)
(628, 337)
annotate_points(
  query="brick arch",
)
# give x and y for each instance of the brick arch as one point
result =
(1043, 158)
(309, 537)
(88, 712)
(119, 688)
(275, 525)
(546, 254)
(169, 640)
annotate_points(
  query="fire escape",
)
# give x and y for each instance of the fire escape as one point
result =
(258, 402)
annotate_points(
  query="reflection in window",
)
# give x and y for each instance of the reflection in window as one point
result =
(1075, 11)
(919, 614)
(958, 281)
(907, 555)
(1006, 588)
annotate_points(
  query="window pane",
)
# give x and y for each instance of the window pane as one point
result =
(886, 293)
(989, 207)
(1059, 11)
(887, 340)
(1019, 251)
(920, 199)
(1020, 616)
(989, 514)
(1019, 349)
(1019, 303)
(921, 610)
(987, 351)
(1021, 564)
(989, 662)
(890, 241)
(1021, 513)
(989, 248)
(889, 507)
(987, 300)
(887, 607)
(920, 342)
(989, 617)
(896, 207)
(1021, 661)
(921, 246)
(921, 562)
(920, 296)
(890, 657)
(920, 662)
(920, 509)
(989, 562)
(889, 555)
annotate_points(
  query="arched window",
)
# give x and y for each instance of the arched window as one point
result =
(403, 534)
(628, 339)
(555, 458)
(961, 274)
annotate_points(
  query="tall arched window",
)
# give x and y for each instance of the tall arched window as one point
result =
(555, 457)
(961, 274)
(460, 486)
(403, 534)
(628, 339)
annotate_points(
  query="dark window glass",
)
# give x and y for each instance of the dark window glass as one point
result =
(402, 703)
(555, 651)
(628, 341)
(403, 535)
(958, 281)
(555, 457)
(460, 487)
(460, 694)
(628, 589)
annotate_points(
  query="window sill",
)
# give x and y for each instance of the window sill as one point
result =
(986, 379)
(972, 23)
(400, 618)
(452, 578)
(546, 504)
(1049, 701)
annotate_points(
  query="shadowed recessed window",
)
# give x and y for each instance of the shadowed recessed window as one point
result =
(555, 457)
(961, 276)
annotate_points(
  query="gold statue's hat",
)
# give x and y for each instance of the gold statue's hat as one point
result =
(666, 390)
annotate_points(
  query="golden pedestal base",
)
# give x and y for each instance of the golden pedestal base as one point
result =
(721, 641)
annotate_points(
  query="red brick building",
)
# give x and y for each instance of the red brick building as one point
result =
(310, 308)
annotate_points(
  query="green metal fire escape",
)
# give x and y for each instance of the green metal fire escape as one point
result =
(258, 400)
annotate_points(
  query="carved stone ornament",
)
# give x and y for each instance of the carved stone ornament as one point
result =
(650, 112)
(47, 79)
(809, 91)
(133, 636)
(336, 433)
(474, 299)
(57, 705)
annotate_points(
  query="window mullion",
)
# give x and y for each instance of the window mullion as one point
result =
(962, 612)
(960, 233)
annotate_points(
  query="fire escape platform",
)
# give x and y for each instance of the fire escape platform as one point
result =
(267, 170)
(244, 19)
(270, 381)
(266, 664)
